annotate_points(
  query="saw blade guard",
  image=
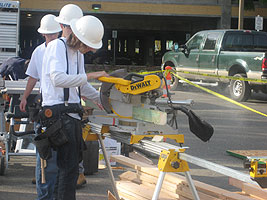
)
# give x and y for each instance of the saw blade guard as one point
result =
(106, 87)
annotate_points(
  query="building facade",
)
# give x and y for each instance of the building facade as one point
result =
(141, 31)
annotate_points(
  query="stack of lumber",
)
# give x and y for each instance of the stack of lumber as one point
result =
(249, 189)
(140, 183)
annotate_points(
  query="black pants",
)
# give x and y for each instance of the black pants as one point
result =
(68, 157)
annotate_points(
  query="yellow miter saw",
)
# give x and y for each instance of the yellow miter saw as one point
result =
(135, 108)
(121, 95)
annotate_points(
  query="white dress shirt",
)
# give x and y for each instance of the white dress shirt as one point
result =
(54, 76)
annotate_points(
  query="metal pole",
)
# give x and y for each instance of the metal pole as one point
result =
(191, 185)
(217, 168)
(158, 186)
(114, 53)
(108, 166)
(226, 171)
(241, 14)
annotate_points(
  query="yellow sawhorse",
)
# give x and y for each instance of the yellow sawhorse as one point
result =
(169, 162)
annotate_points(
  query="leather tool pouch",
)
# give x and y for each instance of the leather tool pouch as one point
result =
(43, 147)
(56, 134)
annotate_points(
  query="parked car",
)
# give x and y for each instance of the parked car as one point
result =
(238, 53)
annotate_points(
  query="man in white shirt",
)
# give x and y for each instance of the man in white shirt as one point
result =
(50, 29)
(63, 82)
(66, 14)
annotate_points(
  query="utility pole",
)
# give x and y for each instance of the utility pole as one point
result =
(241, 14)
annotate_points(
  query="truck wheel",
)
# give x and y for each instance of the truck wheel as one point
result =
(239, 90)
(2, 165)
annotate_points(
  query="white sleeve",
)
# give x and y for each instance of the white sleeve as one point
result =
(33, 65)
(61, 79)
(54, 58)
(88, 91)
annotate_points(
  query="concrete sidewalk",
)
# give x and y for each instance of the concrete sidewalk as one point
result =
(16, 184)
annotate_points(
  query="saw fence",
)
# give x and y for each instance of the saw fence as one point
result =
(140, 184)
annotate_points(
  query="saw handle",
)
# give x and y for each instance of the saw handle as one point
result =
(115, 80)
(130, 76)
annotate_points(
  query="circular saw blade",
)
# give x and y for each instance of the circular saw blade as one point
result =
(106, 87)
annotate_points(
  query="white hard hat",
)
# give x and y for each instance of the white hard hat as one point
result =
(69, 12)
(89, 30)
(48, 25)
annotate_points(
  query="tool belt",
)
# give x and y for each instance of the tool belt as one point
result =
(53, 136)
(49, 113)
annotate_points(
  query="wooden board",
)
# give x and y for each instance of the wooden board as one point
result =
(249, 189)
(176, 179)
(139, 191)
(170, 194)
(148, 115)
(138, 156)
(130, 176)
(111, 196)
(243, 154)
(153, 180)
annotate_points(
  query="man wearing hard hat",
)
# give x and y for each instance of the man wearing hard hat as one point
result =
(50, 29)
(63, 83)
(66, 14)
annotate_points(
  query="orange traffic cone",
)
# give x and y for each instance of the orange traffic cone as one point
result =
(168, 77)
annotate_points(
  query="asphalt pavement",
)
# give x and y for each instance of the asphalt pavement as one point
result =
(234, 129)
(16, 184)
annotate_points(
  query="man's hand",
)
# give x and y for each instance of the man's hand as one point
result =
(23, 104)
(100, 106)
(96, 75)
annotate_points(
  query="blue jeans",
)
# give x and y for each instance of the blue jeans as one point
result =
(45, 191)
(68, 157)
(81, 168)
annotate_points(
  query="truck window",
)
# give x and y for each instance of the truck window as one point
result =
(260, 42)
(195, 42)
(211, 41)
(245, 42)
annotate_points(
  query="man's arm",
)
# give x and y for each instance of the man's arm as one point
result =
(30, 85)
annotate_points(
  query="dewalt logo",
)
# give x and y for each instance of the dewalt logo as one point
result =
(140, 85)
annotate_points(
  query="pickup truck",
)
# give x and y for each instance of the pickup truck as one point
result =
(238, 53)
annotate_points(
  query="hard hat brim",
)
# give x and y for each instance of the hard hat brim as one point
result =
(61, 21)
(82, 38)
(48, 32)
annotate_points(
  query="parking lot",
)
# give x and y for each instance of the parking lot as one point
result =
(234, 129)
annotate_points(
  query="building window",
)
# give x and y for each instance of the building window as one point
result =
(137, 46)
(157, 45)
(109, 45)
(169, 44)
(125, 46)
(119, 48)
